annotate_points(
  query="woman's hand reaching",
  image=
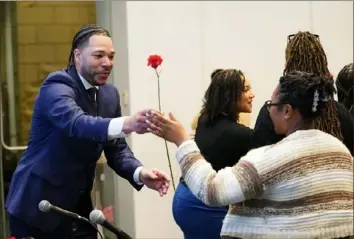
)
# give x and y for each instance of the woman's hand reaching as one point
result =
(168, 128)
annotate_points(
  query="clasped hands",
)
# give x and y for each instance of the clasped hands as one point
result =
(155, 122)
(168, 128)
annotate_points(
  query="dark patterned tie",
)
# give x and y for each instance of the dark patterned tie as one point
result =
(93, 97)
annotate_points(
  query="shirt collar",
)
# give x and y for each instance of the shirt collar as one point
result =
(87, 85)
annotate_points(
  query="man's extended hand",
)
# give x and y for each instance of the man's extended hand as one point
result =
(156, 180)
(136, 123)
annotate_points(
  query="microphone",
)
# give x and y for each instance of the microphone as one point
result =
(96, 216)
(46, 206)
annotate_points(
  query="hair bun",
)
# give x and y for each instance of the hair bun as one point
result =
(216, 72)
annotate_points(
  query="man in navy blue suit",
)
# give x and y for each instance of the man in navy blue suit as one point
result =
(76, 117)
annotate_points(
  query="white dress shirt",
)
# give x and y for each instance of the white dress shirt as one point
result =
(114, 128)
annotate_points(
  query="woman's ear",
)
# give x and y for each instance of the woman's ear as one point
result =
(288, 111)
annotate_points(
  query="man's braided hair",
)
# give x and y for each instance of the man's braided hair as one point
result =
(83, 36)
(304, 52)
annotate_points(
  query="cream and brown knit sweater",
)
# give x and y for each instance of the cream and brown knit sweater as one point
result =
(301, 187)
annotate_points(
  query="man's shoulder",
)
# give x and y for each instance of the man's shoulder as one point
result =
(59, 77)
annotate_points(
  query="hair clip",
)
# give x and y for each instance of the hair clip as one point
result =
(315, 101)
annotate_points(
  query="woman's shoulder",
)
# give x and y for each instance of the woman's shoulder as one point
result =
(236, 134)
(240, 130)
(225, 126)
(310, 141)
(224, 133)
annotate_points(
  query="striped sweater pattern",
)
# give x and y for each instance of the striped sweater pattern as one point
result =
(301, 187)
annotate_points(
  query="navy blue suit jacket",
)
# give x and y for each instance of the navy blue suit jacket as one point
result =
(66, 140)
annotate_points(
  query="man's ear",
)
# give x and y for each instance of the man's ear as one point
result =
(77, 54)
(288, 111)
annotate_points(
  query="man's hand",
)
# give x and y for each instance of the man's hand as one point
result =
(155, 180)
(136, 123)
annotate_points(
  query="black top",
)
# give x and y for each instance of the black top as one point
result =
(223, 142)
(264, 133)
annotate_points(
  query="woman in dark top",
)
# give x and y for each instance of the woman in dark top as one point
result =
(304, 52)
(222, 141)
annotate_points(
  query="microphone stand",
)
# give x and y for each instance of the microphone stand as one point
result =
(86, 220)
(97, 217)
(119, 235)
(45, 206)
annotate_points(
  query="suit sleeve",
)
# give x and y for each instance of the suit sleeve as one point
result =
(120, 157)
(264, 133)
(57, 101)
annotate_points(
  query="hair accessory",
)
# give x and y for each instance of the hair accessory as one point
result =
(315, 101)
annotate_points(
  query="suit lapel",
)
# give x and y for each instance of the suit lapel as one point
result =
(100, 101)
(83, 94)
(73, 73)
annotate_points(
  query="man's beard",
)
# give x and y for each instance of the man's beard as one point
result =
(88, 77)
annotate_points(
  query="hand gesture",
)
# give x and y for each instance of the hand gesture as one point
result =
(155, 180)
(137, 123)
(169, 129)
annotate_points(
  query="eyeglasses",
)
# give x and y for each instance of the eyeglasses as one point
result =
(269, 104)
(291, 36)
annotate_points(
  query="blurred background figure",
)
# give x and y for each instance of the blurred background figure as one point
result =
(304, 52)
(345, 84)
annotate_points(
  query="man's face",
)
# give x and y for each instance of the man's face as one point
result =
(95, 60)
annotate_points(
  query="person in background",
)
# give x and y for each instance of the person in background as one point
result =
(76, 117)
(223, 141)
(298, 188)
(345, 85)
(304, 52)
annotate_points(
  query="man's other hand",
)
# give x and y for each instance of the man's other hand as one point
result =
(155, 180)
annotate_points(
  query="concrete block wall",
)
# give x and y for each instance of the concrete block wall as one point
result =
(44, 31)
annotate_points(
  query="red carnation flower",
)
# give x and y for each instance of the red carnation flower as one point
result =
(154, 61)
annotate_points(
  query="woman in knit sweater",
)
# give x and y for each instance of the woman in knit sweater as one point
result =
(300, 187)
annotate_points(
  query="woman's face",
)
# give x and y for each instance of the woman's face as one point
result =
(244, 104)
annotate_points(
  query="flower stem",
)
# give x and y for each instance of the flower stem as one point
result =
(167, 151)
(170, 167)
(158, 89)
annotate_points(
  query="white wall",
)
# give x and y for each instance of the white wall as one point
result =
(194, 38)
(333, 21)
